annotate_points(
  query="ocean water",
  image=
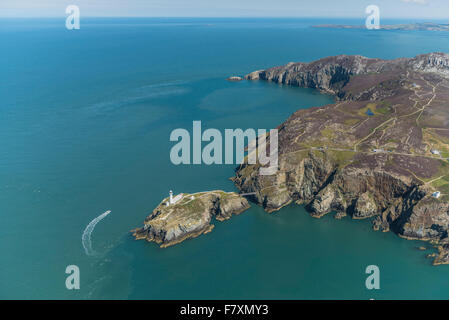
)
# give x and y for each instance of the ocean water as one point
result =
(85, 119)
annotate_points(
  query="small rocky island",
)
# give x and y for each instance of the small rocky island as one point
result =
(235, 78)
(186, 216)
(380, 152)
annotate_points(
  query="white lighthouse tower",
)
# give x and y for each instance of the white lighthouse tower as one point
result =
(171, 197)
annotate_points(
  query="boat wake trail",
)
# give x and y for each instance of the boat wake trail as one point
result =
(87, 243)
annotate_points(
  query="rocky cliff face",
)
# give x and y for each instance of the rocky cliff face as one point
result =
(328, 74)
(190, 217)
(369, 155)
(434, 62)
(333, 73)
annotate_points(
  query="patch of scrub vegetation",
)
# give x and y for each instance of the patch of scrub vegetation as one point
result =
(442, 184)
(443, 172)
(389, 84)
(225, 195)
(330, 138)
(390, 162)
(437, 142)
(296, 156)
(383, 108)
(341, 158)
(395, 141)
(327, 133)
(194, 206)
(351, 122)
(316, 143)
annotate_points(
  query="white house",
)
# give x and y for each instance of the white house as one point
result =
(436, 152)
(173, 200)
(436, 194)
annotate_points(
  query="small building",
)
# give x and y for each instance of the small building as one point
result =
(436, 194)
(173, 200)
(435, 152)
(378, 150)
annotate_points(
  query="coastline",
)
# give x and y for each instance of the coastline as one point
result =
(337, 183)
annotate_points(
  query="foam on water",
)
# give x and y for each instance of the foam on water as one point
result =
(140, 95)
(86, 237)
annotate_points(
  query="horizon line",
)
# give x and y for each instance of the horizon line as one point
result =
(226, 17)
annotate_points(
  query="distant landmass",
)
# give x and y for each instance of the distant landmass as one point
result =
(428, 26)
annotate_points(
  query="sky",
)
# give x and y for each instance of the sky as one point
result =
(424, 9)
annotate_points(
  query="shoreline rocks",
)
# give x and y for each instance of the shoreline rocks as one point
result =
(234, 78)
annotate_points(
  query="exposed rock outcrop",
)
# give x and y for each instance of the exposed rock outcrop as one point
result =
(235, 78)
(365, 206)
(443, 255)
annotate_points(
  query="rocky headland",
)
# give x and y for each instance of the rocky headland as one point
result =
(380, 151)
(190, 216)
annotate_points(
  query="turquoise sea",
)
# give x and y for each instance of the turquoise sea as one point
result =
(85, 119)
